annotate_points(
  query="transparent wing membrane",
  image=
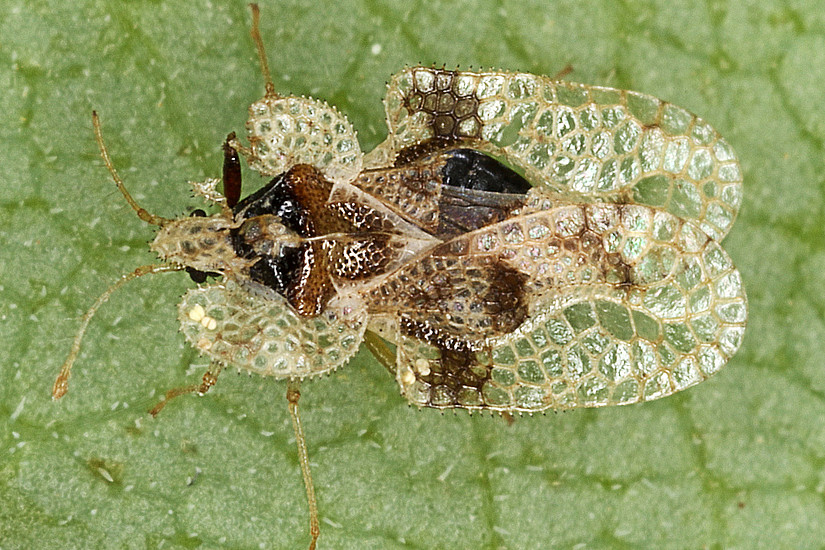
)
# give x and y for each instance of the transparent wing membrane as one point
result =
(266, 336)
(628, 304)
(285, 131)
(587, 143)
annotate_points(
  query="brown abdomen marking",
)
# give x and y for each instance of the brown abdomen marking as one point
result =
(501, 303)
(454, 298)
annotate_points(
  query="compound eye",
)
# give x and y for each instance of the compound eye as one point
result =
(197, 214)
(196, 276)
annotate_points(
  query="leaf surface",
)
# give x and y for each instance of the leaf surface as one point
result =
(734, 462)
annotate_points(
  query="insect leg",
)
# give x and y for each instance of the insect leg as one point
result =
(231, 172)
(255, 31)
(209, 379)
(293, 393)
(381, 350)
(61, 385)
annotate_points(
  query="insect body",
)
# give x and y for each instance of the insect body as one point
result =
(523, 243)
(602, 283)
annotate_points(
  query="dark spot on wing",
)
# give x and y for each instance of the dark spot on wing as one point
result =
(454, 301)
(455, 373)
(505, 300)
(472, 169)
(452, 116)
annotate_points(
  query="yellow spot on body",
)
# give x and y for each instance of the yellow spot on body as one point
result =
(209, 323)
(197, 313)
(204, 344)
(408, 378)
(422, 366)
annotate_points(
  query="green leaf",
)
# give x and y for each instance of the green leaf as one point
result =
(734, 462)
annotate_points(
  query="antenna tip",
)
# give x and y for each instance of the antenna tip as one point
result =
(61, 386)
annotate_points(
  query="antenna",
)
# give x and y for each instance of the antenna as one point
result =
(142, 213)
(255, 31)
(61, 385)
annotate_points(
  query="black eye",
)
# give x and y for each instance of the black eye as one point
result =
(197, 214)
(199, 276)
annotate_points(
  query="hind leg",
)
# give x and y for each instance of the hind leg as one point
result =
(293, 393)
(208, 380)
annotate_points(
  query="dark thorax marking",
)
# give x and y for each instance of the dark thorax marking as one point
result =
(360, 243)
(297, 198)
